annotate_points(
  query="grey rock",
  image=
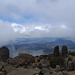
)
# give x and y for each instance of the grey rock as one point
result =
(64, 51)
(60, 73)
(65, 73)
(56, 51)
(44, 70)
(4, 53)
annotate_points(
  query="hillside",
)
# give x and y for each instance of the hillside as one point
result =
(38, 46)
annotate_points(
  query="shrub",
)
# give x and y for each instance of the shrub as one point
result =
(44, 56)
(72, 53)
(56, 61)
(50, 56)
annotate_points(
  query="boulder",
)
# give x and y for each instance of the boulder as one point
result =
(65, 73)
(70, 66)
(22, 60)
(73, 59)
(54, 73)
(60, 73)
(45, 63)
(44, 70)
(57, 69)
(8, 68)
(4, 53)
(2, 70)
(47, 73)
(2, 73)
(23, 71)
(66, 60)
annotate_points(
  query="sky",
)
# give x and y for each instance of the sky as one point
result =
(36, 18)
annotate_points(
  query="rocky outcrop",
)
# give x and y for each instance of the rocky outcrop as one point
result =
(69, 63)
(45, 63)
(4, 53)
(43, 71)
(2, 70)
(64, 51)
(23, 71)
(56, 51)
(22, 60)
(66, 60)
(71, 66)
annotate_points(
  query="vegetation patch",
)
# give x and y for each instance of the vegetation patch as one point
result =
(56, 61)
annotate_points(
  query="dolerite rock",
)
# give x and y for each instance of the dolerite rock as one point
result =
(47, 73)
(44, 63)
(1, 67)
(70, 66)
(66, 60)
(60, 73)
(2, 73)
(44, 70)
(65, 73)
(22, 60)
(74, 65)
(56, 51)
(23, 71)
(57, 69)
(2, 70)
(4, 53)
(64, 51)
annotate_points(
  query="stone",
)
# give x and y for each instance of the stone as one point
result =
(66, 60)
(45, 63)
(60, 73)
(47, 73)
(56, 51)
(39, 65)
(70, 66)
(2, 73)
(4, 53)
(64, 51)
(22, 60)
(54, 73)
(65, 73)
(73, 59)
(23, 71)
(1, 67)
(57, 69)
(44, 70)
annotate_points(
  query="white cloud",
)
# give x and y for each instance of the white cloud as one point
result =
(10, 31)
(63, 26)
(48, 18)
(6, 32)
(40, 30)
(60, 10)
(18, 28)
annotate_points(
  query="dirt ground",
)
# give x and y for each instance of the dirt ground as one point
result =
(71, 73)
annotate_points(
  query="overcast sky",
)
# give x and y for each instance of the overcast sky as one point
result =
(36, 18)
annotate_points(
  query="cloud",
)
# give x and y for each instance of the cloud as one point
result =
(18, 28)
(38, 18)
(40, 30)
(60, 10)
(11, 31)
(6, 32)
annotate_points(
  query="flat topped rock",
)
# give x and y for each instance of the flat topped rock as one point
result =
(22, 71)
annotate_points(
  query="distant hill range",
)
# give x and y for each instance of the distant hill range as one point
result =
(38, 46)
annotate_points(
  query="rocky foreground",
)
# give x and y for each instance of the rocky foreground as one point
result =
(25, 64)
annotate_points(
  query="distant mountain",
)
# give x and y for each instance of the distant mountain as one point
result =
(37, 46)
(60, 41)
